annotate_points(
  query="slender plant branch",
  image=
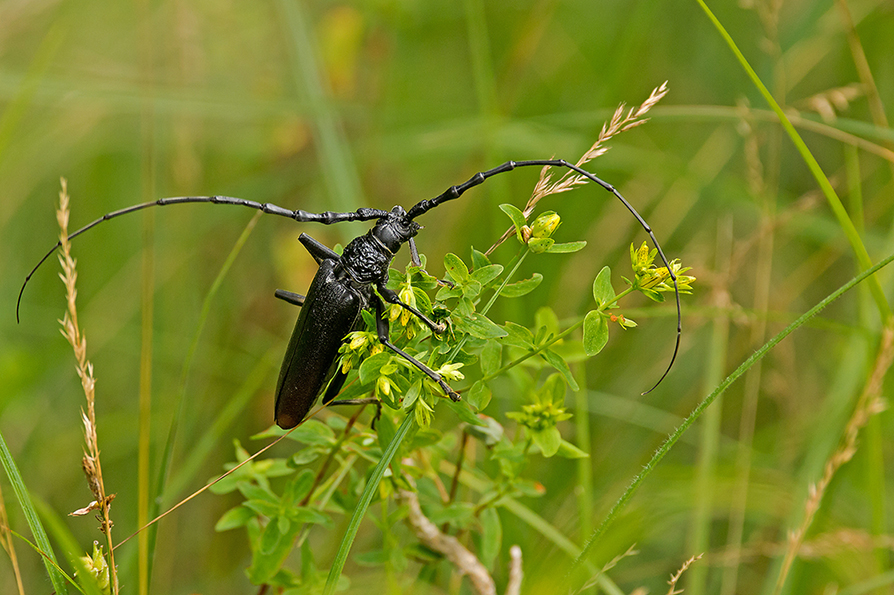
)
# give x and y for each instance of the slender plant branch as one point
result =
(431, 537)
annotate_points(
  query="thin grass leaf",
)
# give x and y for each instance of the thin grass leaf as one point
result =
(42, 542)
(365, 498)
(850, 231)
(697, 412)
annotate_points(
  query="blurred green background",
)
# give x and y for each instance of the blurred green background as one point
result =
(333, 106)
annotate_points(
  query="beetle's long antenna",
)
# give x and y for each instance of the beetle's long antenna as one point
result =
(327, 218)
(455, 192)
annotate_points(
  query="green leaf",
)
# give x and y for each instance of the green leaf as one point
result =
(545, 317)
(270, 538)
(518, 218)
(472, 289)
(570, 451)
(423, 302)
(298, 487)
(304, 456)
(313, 432)
(603, 292)
(486, 274)
(419, 552)
(553, 390)
(253, 492)
(456, 268)
(371, 366)
(478, 396)
(491, 357)
(491, 536)
(523, 287)
(459, 514)
(264, 507)
(479, 259)
(304, 514)
(490, 434)
(445, 293)
(479, 325)
(548, 440)
(372, 558)
(462, 411)
(385, 429)
(412, 394)
(518, 336)
(556, 361)
(273, 547)
(234, 518)
(595, 332)
(566, 248)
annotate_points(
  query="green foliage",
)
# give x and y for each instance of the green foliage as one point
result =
(309, 491)
(766, 167)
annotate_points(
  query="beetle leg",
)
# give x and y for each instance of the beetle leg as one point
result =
(414, 258)
(392, 298)
(414, 253)
(382, 330)
(319, 251)
(296, 299)
(363, 401)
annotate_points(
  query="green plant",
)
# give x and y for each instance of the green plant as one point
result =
(418, 430)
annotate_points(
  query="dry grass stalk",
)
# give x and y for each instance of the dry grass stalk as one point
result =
(675, 578)
(620, 122)
(869, 404)
(8, 546)
(72, 332)
(594, 580)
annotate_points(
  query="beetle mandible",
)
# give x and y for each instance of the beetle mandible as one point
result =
(343, 286)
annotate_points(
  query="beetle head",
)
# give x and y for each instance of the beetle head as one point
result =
(395, 229)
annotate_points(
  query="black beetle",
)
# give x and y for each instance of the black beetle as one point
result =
(343, 286)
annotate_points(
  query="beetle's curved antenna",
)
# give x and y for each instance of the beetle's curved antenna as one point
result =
(455, 192)
(367, 214)
(327, 218)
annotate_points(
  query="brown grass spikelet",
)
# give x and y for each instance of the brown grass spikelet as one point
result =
(619, 122)
(72, 332)
(676, 577)
(869, 403)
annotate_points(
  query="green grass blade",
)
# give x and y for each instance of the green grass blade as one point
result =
(162, 479)
(371, 486)
(69, 547)
(697, 412)
(853, 236)
(336, 160)
(40, 535)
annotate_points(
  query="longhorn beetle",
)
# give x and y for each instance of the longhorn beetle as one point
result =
(343, 287)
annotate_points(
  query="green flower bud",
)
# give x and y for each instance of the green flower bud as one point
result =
(545, 224)
(540, 245)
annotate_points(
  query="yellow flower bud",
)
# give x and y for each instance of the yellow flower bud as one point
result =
(545, 225)
(358, 341)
